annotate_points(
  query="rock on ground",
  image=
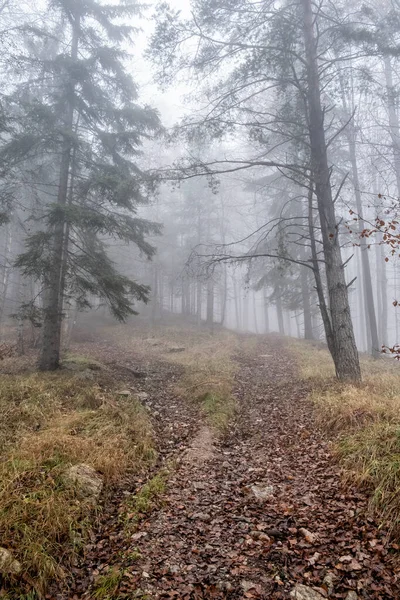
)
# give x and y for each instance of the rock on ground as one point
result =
(262, 491)
(85, 479)
(8, 564)
(303, 592)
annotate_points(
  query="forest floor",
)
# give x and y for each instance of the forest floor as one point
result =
(245, 498)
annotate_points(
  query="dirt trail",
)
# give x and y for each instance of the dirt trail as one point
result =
(213, 538)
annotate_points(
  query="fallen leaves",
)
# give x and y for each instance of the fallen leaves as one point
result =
(266, 516)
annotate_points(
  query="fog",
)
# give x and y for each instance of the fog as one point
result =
(233, 163)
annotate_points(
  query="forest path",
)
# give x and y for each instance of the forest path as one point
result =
(255, 512)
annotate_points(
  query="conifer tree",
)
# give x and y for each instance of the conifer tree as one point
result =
(80, 124)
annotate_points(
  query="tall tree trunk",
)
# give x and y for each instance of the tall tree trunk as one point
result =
(345, 355)
(326, 320)
(384, 286)
(154, 299)
(306, 293)
(245, 313)
(237, 306)
(266, 312)
(394, 126)
(369, 304)
(381, 278)
(255, 313)
(199, 293)
(5, 274)
(279, 311)
(210, 303)
(288, 318)
(172, 297)
(49, 359)
(364, 342)
(224, 294)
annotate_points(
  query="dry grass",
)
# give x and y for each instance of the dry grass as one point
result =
(209, 375)
(206, 360)
(53, 421)
(106, 586)
(366, 419)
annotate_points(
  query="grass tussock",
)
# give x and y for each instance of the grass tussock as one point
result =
(106, 586)
(366, 419)
(139, 505)
(53, 421)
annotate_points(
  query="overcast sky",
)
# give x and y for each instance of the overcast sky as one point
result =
(172, 102)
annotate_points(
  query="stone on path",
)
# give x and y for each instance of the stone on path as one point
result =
(262, 491)
(303, 592)
(86, 480)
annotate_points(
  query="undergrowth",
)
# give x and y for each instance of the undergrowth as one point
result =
(106, 585)
(366, 420)
(50, 422)
(139, 505)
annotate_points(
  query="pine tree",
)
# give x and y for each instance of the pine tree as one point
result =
(84, 132)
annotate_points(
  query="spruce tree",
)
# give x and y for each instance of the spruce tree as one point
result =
(80, 124)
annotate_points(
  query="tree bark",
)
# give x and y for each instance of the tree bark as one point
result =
(237, 306)
(305, 293)
(369, 304)
(255, 313)
(326, 320)
(279, 311)
(199, 293)
(224, 294)
(5, 274)
(245, 307)
(210, 304)
(266, 312)
(345, 355)
(394, 126)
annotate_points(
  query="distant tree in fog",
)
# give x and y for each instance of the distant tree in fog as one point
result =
(270, 52)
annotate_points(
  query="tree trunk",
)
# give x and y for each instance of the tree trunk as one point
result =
(396, 312)
(369, 304)
(255, 313)
(5, 274)
(224, 294)
(394, 126)
(305, 293)
(345, 353)
(199, 293)
(210, 304)
(245, 313)
(49, 359)
(279, 311)
(154, 299)
(361, 305)
(171, 300)
(384, 285)
(326, 320)
(266, 312)
(237, 307)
